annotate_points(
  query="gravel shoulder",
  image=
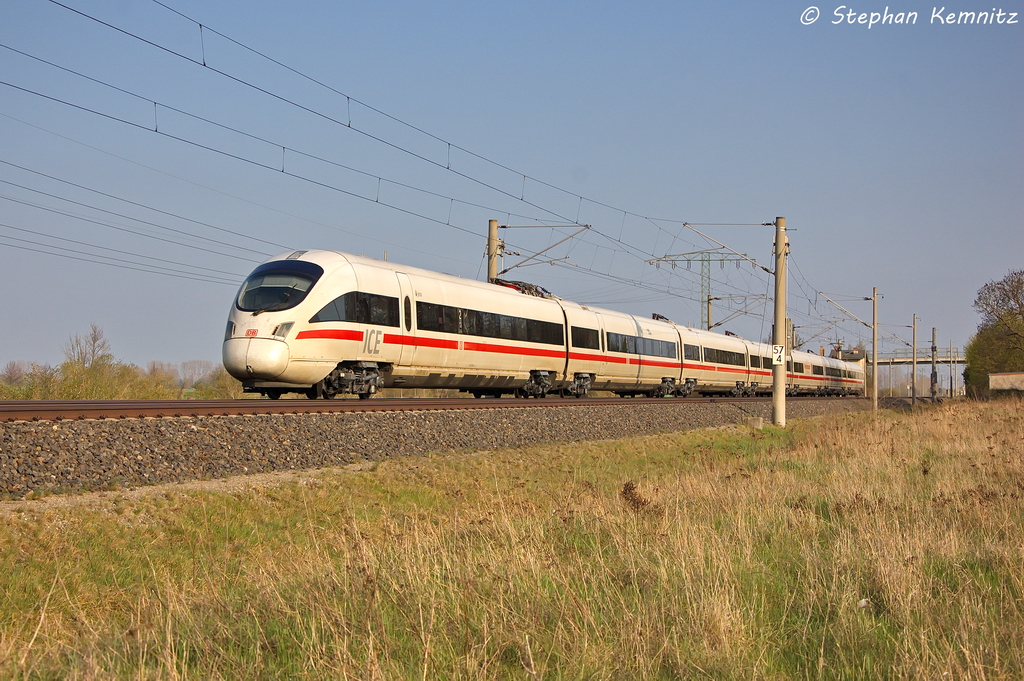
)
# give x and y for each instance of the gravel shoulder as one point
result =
(112, 456)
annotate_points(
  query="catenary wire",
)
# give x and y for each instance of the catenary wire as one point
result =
(115, 250)
(170, 273)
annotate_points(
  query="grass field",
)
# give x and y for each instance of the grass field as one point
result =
(847, 547)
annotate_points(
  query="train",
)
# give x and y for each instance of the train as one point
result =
(324, 323)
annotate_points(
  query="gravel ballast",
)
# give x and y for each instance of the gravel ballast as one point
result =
(105, 454)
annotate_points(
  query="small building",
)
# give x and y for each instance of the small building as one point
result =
(1013, 380)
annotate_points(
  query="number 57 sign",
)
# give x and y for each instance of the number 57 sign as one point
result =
(778, 354)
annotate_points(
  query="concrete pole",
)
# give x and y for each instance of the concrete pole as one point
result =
(935, 369)
(913, 370)
(779, 331)
(951, 386)
(874, 349)
(709, 314)
(492, 251)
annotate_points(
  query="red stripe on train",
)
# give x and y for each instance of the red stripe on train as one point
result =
(512, 350)
(656, 363)
(420, 341)
(334, 334)
(598, 358)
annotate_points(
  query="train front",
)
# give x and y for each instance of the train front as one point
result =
(262, 321)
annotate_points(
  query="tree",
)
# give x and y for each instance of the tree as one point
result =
(1001, 305)
(998, 345)
(14, 373)
(87, 351)
(194, 370)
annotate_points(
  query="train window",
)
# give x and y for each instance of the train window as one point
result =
(766, 362)
(638, 345)
(798, 367)
(448, 319)
(789, 366)
(428, 316)
(362, 308)
(330, 312)
(450, 316)
(691, 352)
(817, 370)
(489, 324)
(518, 328)
(383, 310)
(505, 328)
(656, 348)
(755, 362)
(277, 285)
(544, 332)
(585, 338)
(471, 325)
(618, 342)
(833, 372)
(725, 357)
(408, 314)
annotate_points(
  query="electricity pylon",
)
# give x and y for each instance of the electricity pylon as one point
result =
(705, 258)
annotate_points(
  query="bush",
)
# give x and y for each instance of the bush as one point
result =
(90, 371)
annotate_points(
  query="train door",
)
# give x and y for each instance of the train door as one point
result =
(638, 349)
(407, 346)
(600, 364)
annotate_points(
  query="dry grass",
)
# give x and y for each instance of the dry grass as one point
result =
(845, 547)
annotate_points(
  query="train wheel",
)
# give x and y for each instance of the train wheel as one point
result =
(365, 396)
(274, 394)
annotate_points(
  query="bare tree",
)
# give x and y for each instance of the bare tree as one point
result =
(88, 350)
(166, 370)
(193, 370)
(14, 372)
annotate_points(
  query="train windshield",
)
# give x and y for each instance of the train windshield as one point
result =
(278, 285)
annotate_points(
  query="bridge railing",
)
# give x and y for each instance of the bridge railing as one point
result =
(924, 355)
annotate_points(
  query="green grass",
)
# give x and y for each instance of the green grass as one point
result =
(721, 554)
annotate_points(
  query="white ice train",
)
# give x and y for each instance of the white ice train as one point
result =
(324, 323)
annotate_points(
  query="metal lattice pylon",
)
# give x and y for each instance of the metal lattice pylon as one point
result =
(705, 258)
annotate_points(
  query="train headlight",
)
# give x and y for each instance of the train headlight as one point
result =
(282, 330)
(230, 331)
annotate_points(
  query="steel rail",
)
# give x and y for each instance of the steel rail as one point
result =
(59, 410)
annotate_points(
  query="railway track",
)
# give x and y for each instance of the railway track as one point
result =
(42, 410)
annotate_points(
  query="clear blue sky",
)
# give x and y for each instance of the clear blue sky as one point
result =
(895, 153)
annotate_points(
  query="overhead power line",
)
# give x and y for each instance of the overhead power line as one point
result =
(361, 235)
(92, 259)
(115, 250)
(348, 124)
(113, 226)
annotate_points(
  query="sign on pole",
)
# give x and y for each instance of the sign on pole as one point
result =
(778, 354)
